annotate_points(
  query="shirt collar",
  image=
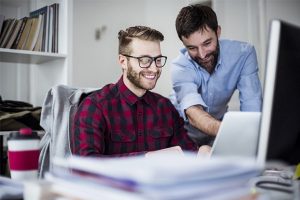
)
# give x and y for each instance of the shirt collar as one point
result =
(130, 97)
(220, 56)
(148, 97)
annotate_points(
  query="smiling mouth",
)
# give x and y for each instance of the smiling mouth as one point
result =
(208, 59)
(149, 76)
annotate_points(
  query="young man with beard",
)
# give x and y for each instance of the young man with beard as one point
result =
(125, 118)
(208, 71)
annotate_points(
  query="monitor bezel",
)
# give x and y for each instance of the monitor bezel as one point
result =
(269, 82)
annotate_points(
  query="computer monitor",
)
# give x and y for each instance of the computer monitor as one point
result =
(280, 124)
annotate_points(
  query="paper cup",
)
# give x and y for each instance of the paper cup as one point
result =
(23, 154)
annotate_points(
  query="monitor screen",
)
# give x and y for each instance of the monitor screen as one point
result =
(280, 123)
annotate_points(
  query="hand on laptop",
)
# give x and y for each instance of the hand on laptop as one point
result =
(204, 151)
(176, 150)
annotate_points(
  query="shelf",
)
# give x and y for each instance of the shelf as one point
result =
(28, 75)
(15, 3)
(28, 57)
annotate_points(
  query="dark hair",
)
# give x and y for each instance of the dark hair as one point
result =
(194, 17)
(140, 32)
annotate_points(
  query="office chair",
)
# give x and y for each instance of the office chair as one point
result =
(58, 110)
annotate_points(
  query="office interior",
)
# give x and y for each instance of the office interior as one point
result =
(90, 41)
(89, 50)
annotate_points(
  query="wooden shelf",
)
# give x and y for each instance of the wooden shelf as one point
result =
(28, 57)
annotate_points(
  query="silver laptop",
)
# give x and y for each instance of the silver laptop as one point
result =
(238, 135)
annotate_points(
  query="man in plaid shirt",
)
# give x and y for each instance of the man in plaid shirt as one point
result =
(125, 118)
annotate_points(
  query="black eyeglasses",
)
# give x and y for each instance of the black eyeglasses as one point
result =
(146, 61)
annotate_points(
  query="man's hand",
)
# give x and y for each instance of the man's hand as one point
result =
(204, 151)
(202, 120)
(176, 150)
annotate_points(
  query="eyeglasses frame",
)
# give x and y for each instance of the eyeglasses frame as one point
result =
(152, 58)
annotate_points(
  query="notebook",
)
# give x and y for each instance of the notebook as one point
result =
(238, 135)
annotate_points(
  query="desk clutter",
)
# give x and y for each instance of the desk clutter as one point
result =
(156, 177)
(277, 183)
(10, 189)
(166, 177)
(15, 115)
(18, 114)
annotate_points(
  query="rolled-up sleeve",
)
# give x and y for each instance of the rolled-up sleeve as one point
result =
(185, 85)
(249, 85)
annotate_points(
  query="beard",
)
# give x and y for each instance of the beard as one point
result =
(209, 65)
(138, 81)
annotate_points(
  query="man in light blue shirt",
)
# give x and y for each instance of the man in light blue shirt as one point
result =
(208, 71)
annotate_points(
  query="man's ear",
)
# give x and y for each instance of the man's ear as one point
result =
(219, 31)
(123, 61)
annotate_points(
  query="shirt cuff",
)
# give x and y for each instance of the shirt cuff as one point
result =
(191, 100)
(253, 108)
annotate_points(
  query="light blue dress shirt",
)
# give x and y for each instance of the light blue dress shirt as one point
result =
(236, 69)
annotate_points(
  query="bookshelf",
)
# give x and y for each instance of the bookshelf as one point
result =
(28, 75)
(28, 57)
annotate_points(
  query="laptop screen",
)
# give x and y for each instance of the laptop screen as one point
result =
(238, 135)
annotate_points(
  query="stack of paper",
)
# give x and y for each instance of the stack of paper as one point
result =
(158, 177)
(10, 189)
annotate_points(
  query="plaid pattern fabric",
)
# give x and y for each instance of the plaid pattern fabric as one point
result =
(115, 122)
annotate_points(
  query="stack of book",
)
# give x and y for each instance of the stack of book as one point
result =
(36, 32)
(164, 177)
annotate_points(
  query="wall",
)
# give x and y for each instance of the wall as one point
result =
(249, 20)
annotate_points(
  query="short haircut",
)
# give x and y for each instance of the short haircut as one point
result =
(195, 17)
(140, 32)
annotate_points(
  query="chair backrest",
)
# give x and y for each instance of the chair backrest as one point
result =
(58, 110)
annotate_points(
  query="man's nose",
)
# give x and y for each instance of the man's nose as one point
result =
(153, 67)
(202, 53)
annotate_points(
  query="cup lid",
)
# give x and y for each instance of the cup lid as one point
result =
(23, 134)
(25, 131)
